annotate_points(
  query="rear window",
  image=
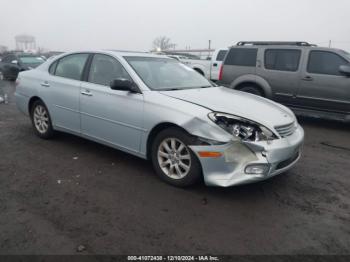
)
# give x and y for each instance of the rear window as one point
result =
(242, 57)
(71, 66)
(221, 55)
(282, 59)
(32, 60)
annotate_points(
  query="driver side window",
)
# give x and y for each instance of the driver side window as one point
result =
(325, 63)
(104, 69)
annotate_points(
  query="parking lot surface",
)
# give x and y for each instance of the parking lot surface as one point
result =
(70, 195)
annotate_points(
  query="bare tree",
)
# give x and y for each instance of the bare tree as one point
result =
(162, 43)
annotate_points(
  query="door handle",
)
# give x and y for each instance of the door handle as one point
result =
(215, 64)
(308, 78)
(45, 84)
(86, 93)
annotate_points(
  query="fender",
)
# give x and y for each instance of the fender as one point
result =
(193, 118)
(258, 80)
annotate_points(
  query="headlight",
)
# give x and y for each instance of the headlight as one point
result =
(242, 128)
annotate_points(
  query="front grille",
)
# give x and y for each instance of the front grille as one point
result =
(286, 130)
(287, 162)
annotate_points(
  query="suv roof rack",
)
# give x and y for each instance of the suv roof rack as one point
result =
(300, 43)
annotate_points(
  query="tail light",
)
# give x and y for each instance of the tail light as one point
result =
(220, 72)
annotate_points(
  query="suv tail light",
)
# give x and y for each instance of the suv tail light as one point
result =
(220, 72)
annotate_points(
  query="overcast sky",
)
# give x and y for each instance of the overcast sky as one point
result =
(133, 24)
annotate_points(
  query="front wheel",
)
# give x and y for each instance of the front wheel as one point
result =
(41, 120)
(173, 160)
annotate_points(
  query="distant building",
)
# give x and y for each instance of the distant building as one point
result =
(25, 43)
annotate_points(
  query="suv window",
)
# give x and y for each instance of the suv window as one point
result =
(71, 66)
(282, 59)
(242, 57)
(104, 69)
(323, 62)
(221, 55)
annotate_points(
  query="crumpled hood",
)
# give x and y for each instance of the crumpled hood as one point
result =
(222, 99)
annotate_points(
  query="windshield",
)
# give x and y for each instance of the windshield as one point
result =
(32, 60)
(166, 74)
(346, 54)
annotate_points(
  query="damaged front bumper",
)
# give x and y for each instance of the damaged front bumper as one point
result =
(248, 162)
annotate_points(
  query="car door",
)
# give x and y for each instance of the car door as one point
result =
(281, 69)
(110, 116)
(218, 57)
(323, 87)
(61, 91)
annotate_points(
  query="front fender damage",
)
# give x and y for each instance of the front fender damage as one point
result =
(202, 129)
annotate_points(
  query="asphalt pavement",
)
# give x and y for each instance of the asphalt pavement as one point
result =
(70, 196)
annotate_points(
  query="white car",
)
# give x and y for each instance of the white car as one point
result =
(159, 109)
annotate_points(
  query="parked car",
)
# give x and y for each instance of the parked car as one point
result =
(311, 80)
(159, 109)
(12, 64)
(208, 68)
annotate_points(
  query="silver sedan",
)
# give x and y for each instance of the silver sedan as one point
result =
(159, 109)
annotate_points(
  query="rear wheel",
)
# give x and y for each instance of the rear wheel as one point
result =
(173, 160)
(252, 90)
(41, 120)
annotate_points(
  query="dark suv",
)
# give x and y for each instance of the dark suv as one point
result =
(12, 64)
(312, 80)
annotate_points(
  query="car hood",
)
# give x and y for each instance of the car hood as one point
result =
(225, 100)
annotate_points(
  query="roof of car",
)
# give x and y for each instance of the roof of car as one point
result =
(279, 46)
(120, 53)
(134, 53)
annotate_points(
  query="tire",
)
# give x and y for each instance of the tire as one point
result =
(178, 168)
(252, 90)
(41, 120)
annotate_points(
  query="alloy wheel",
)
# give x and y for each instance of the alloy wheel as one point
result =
(41, 119)
(174, 158)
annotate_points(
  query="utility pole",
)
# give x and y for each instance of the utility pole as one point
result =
(209, 48)
(330, 44)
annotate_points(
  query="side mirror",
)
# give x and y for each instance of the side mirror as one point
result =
(123, 84)
(345, 70)
(15, 62)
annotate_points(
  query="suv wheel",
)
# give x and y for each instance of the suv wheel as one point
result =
(252, 90)
(41, 120)
(173, 160)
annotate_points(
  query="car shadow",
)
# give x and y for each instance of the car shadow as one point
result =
(112, 155)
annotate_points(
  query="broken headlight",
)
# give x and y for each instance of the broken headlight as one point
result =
(242, 128)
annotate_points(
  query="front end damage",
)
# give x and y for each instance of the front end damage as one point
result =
(241, 162)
